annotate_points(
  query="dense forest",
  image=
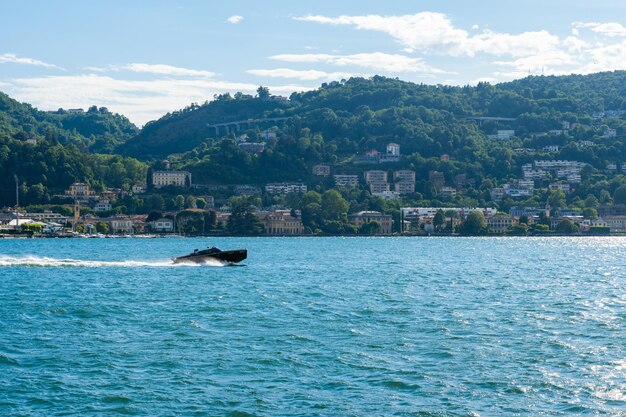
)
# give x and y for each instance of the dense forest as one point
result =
(334, 125)
(50, 150)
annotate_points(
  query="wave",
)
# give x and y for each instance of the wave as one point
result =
(45, 262)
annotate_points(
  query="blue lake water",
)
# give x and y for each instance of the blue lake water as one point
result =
(314, 326)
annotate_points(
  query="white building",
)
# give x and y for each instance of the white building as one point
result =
(176, 178)
(346, 180)
(321, 170)
(120, 224)
(138, 189)
(162, 225)
(388, 195)
(393, 149)
(103, 205)
(285, 188)
(551, 148)
(431, 211)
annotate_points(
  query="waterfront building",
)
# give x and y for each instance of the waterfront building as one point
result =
(120, 224)
(162, 225)
(500, 223)
(431, 211)
(385, 220)
(617, 224)
(176, 178)
(281, 223)
(516, 211)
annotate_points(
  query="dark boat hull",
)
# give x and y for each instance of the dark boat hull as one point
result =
(226, 256)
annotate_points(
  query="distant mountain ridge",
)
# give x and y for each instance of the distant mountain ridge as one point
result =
(183, 130)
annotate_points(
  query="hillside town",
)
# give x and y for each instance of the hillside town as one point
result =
(94, 213)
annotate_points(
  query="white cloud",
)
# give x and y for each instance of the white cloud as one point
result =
(435, 32)
(531, 52)
(163, 69)
(610, 29)
(304, 75)
(14, 59)
(234, 19)
(140, 101)
(419, 31)
(157, 69)
(376, 61)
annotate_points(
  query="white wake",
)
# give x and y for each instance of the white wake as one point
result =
(38, 261)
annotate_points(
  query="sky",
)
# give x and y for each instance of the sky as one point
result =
(145, 58)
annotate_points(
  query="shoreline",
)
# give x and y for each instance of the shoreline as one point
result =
(146, 236)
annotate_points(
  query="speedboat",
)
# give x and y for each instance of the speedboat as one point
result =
(213, 253)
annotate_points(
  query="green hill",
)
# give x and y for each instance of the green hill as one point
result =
(50, 150)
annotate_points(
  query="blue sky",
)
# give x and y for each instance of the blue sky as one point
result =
(145, 58)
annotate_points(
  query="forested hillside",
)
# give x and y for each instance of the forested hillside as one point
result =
(50, 150)
(449, 130)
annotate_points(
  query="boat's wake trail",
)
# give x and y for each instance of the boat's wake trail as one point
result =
(45, 262)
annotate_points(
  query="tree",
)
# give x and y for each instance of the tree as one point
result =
(474, 224)
(190, 202)
(334, 206)
(263, 93)
(149, 183)
(102, 227)
(567, 226)
(590, 213)
(439, 220)
(619, 196)
(591, 201)
(154, 215)
(556, 199)
(243, 221)
(180, 202)
(452, 215)
(311, 209)
(154, 202)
